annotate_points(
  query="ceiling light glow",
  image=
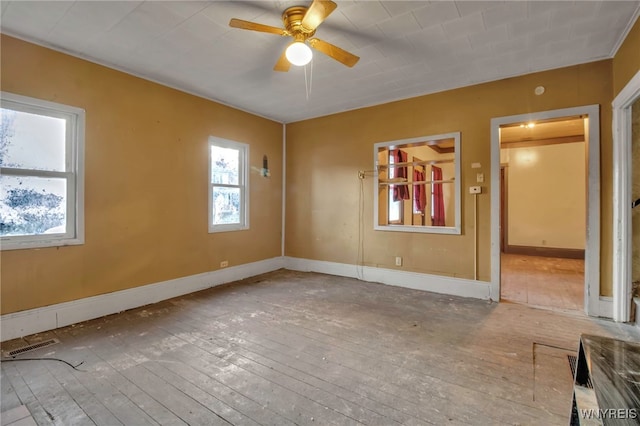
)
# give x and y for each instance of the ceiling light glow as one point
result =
(298, 54)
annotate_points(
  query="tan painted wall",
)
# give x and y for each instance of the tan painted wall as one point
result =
(635, 190)
(626, 62)
(547, 196)
(146, 183)
(341, 144)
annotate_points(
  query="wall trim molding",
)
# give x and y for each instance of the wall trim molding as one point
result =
(605, 307)
(130, 72)
(415, 280)
(24, 323)
(564, 253)
(625, 33)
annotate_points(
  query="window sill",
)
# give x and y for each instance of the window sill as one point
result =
(452, 230)
(37, 244)
(227, 228)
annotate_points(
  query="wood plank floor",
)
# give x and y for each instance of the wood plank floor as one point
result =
(543, 281)
(292, 348)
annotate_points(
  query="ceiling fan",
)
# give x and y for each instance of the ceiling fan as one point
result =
(301, 23)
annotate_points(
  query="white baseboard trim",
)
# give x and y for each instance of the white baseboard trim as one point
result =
(418, 281)
(605, 307)
(24, 323)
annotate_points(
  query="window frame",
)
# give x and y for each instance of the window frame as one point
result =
(456, 229)
(243, 185)
(73, 173)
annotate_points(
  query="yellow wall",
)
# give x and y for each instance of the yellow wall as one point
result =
(324, 155)
(626, 62)
(145, 183)
(547, 195)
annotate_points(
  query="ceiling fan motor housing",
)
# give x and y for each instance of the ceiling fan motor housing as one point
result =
(292, 19)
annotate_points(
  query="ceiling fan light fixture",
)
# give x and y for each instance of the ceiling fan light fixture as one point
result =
(298, 53)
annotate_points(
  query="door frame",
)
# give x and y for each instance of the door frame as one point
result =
(504, 207)
(594, 304)
(622, 169)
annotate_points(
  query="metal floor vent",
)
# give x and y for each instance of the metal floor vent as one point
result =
(573, 363)
(29, 348)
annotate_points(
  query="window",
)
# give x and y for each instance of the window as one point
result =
(228, 185)
(417, 185)
(41, 173)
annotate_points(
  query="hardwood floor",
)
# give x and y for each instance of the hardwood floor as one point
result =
(543, 281)
(291, 348)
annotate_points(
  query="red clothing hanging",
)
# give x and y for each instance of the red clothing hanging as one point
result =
(437, 198)
(400, 192)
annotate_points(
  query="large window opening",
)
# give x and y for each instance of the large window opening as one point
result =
(41, 173)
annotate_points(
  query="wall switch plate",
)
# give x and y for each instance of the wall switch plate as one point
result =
(480, 177)
(475, 190)
(224, 263)
(398, 261)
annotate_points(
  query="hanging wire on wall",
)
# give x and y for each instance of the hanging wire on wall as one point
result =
(360, 255)
(360, 252)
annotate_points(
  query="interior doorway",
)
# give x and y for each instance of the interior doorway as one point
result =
(576, 257)
(543, 212)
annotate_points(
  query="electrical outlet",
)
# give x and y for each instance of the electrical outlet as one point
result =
(224, 263)
(475, 190)
(398, 261)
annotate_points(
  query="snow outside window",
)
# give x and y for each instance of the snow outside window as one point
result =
(41, 173)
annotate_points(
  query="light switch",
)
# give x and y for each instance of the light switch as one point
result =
(480, 177)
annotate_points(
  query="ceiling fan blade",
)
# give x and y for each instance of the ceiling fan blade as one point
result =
(283, 63)
(253, 26)
(340, 55)
(317, 12)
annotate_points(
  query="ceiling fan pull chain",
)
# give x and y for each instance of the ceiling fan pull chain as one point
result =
(310, 76)
(307, 88)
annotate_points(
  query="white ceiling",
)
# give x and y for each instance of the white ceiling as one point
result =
(407, 48)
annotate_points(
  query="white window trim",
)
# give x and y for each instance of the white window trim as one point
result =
(243, 183)
(74, 173)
